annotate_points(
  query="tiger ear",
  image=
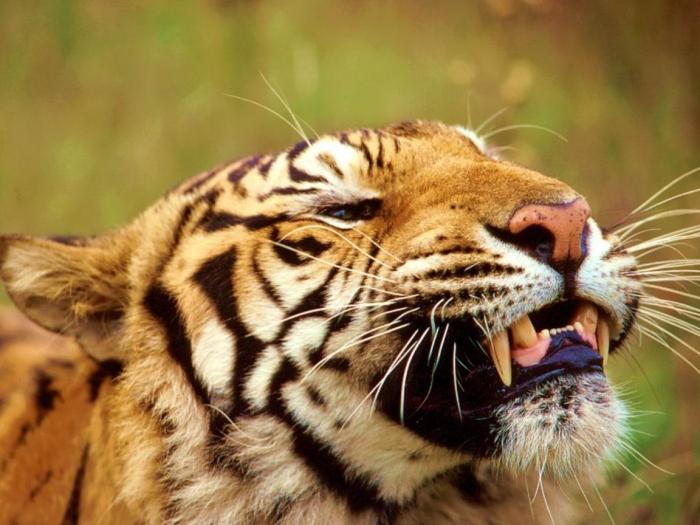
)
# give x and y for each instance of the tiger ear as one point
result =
(73, 286)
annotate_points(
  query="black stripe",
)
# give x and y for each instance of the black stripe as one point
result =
(482, 269)
(72, 513)
(199, 181)
(365, 151)
(214, 221)
(184, 218)
(243, 168)
(37, 488)
(215, 277)
(380, 153)
(308, 244)
(162, 306)
(298, 149)
(265, 166)
(329, 161)
(45, 396)
(360, 492)
(287, 190)
(298, 175)
(69, 240)
(111, 368)
(471, 489)
(267, 286)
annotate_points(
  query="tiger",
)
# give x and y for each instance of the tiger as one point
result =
(375, 326)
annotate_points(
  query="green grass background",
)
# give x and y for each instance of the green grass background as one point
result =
(106, 105)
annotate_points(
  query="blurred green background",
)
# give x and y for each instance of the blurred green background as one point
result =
(106, 105)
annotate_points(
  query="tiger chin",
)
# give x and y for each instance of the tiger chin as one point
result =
(376, 326)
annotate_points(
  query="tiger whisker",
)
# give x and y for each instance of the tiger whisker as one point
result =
(490, 119)
(637, 454)
(239, 429)
(624, 232)
(454, 379)
(602, 501)
(435, 365)
(621, 464)
(387, 312)
(583, 493)
(379, 246)
(286, 105)
(333, 265)
(675, 181)
(406, 368)
(432, 343)
(406, 350)
(671, 263)
(386, 374)
(442, 313)
(524, 126)
(673, 321)
(669, 199)
(270, 110)
(663, 342)
(673, 238)
(672, 290)
(337, 233)
(667, 304)
(357, 340)
(343, 310)
(432, 314)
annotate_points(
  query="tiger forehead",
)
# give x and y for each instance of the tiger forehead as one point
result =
(347, 161)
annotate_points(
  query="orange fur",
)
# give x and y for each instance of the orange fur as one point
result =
(202, 280)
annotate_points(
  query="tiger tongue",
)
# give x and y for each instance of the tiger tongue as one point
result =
(533, 354)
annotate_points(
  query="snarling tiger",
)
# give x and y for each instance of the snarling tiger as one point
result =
(375, 326)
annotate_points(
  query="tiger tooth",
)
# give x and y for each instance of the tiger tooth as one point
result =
(602, 334)
(524, 335)
(545, 334)
(578, 327)
(587, 314)
(499, 348)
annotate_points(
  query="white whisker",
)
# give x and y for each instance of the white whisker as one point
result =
(524, 126)
(338, 234)
(406, 368)
(339, 267)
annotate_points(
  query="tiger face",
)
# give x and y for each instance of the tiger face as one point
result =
(358, 317)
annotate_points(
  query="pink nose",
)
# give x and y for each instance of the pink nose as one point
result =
(566, 223)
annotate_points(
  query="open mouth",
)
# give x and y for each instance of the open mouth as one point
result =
(451, 389)
(534, 347)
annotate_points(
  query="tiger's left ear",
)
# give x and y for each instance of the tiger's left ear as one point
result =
(72, 286)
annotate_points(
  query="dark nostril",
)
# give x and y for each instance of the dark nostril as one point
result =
(536, 241)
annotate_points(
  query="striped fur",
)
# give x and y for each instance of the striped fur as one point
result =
(254, 325)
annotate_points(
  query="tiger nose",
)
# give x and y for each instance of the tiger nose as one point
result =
(565, 222)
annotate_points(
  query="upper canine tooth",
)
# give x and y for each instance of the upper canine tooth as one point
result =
(499, 348)
(524, 335)
(603, 337)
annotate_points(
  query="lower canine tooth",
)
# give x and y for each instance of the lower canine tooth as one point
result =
(499, 348)
(602, 334)
(524, 335)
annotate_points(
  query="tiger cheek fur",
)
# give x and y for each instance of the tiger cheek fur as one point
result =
(383, 325)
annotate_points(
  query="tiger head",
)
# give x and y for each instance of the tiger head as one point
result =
(359, 314)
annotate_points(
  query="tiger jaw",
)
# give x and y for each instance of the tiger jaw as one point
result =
(522, 344)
